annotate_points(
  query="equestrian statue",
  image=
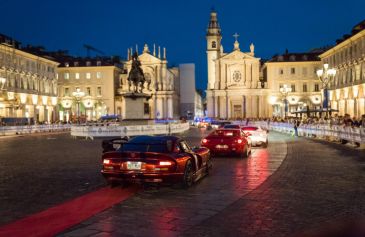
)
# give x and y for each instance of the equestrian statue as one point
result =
(136, 75)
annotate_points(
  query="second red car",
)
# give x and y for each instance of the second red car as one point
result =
(228, 141)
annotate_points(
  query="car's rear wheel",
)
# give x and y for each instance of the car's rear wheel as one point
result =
(265, 144)
(209, 166)
(245, 153)
(188, 179)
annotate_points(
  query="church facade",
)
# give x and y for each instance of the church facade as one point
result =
(234, 87)
(162, 85)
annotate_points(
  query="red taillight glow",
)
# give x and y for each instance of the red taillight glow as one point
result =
(205, 140)
(239, 141)
(166, 163)
(106, 162)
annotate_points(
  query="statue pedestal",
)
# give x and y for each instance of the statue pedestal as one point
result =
(135, 106)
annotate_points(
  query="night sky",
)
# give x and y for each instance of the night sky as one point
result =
(180, 26)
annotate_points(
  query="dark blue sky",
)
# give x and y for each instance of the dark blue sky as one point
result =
(180, 26)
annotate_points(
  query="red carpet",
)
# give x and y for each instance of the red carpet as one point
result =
(57, 219)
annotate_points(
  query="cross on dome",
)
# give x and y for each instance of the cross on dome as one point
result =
(236, 36)
(236, 44)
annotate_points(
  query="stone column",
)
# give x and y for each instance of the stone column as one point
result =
(159, 111)
(227, 106)
(261, 107)
(243, 107)
(210, 105)
(154, 106)
(248, 106)
(170, 108)
(219, 106)
(254, 106)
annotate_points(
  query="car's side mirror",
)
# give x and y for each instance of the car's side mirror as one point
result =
(248, 134)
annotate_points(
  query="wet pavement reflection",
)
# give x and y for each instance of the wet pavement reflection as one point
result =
(168, 211)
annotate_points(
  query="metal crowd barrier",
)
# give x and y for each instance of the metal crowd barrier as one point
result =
(324, 131)
(28, 129)
(92, 131)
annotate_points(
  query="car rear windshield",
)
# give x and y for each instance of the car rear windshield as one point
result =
(226, 133)
(142, 147)
(250, 128)
(231, 126)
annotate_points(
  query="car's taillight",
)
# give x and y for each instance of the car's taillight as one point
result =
(239, 141)
(205, 140)
(166, 163)
(106, 162)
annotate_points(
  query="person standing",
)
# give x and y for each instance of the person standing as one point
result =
(296, 125)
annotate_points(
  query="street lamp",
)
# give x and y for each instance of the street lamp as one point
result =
(285, 90)
(78, 94)
(325, 75)
(2, 83)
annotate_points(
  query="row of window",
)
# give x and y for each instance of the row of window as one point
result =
(305, 87)
(88, 63)
(77, 75)
(88, 91)
(354, 50)
(24, 64)
(293, 71)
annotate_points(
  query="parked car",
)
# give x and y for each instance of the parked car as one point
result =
(156, 159)
(228, 141)
(258, 135)
(219, 124)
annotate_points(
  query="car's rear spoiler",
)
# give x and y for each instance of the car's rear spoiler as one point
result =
(137, 155)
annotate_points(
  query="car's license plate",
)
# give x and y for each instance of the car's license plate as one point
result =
(133, 165)
(221, 146)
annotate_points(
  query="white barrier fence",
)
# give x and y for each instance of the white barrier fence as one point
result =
(93, 131)
(334, 132)
(27, 129)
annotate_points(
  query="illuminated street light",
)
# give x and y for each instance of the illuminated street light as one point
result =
(78, 94)
(285, 90)
(325, 75)
(2, 83)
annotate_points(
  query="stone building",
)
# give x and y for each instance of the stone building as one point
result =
(298, 72)
(234, 87)
(347, 90)
(28, 83)
(87, 87)
(162, 84)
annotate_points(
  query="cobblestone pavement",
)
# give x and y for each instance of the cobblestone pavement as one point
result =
(40, 171)
(318, 183)
(171, 211)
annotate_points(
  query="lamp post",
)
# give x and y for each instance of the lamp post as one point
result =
(2, 83)
(325, 75)
(78, 94)
(285, 90)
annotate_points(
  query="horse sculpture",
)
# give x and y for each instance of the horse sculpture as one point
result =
(136, 76)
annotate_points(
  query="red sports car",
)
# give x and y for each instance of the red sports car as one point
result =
(156, 159)
(226, 141)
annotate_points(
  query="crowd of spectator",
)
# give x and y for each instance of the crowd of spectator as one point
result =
(345, 120)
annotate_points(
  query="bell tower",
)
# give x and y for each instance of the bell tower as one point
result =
(214, 38)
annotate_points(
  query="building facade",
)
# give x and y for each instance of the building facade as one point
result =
(191, 105)
(234, 88)
(347, 90)
(298, 72)
(28, 83)
(162, 84)
(87, 88)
